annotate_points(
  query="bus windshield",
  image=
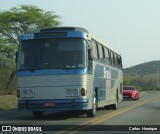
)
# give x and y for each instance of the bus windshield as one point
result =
(66, 53)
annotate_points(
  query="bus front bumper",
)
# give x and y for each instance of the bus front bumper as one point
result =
(53, 105)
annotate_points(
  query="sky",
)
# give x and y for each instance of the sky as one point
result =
(130, 26)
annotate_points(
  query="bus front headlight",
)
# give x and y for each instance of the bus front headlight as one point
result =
(24, 93)
(72, 92)
(68, 92)
(75, 92)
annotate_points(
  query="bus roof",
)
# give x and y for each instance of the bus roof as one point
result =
(64, 29)
(104, 43)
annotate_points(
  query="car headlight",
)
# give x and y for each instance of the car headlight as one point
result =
(72, 92)
(27, 93)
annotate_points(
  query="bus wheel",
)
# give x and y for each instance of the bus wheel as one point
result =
(37, 114)
(108, 107)
(92, 112)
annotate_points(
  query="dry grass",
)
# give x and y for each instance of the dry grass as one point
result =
(8, 102)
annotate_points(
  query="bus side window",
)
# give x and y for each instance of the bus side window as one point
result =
(107, 59)
(90, 51)
(115, 60)
(100, 52)
(109, 53)
(111, 57)
(119, 61)
(103, 52)
(94, 47)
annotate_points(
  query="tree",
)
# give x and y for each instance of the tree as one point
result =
(7, 63)
(24, 19)
(6, 55)
(17, 21)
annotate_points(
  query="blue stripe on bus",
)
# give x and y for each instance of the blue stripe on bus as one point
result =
(47, 72)
(77, 34)
(63, 104)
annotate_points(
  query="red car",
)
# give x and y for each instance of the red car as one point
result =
(130, 92)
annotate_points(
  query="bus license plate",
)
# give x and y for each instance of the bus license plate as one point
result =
(49, 104)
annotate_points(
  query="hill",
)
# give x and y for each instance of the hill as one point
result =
(143, 75)
(148, 68)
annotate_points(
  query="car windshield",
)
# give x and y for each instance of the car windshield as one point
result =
(61, 53)
(128, 88)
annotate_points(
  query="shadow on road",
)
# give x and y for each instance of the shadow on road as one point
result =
(62, 115)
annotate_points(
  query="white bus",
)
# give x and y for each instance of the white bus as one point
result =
(67, 68)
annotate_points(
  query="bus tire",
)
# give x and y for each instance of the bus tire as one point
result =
(37, 114)
(92, 112)
(107, 107)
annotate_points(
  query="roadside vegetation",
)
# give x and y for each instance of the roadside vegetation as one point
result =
(8, 102)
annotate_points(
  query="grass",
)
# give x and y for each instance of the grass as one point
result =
(8, 102)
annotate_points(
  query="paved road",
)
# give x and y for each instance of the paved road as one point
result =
(145, 111)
